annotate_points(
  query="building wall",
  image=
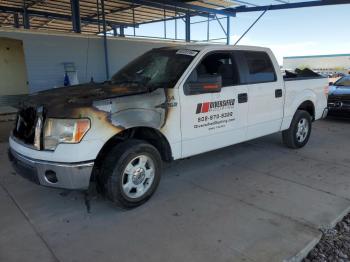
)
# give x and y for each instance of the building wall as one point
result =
(46, 53)
(337, 63)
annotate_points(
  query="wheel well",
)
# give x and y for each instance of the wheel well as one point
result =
(309, 107)
(152, 136)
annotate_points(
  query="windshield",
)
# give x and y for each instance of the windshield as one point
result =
(345, 81)
(157, 68)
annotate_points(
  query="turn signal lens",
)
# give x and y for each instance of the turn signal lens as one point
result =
(82, 126)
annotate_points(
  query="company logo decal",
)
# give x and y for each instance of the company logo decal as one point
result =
(215, 106)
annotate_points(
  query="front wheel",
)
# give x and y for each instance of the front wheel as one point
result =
(299, 131)
(132, 172)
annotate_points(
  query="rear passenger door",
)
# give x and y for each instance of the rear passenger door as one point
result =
(265, 92)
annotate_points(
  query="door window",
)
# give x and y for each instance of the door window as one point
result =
(259, 67)
(217, 64)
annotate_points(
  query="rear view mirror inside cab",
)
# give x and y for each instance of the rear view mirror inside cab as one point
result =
(201, 84)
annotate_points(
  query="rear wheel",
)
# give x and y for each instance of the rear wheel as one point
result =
(131, 173)
(299, 131)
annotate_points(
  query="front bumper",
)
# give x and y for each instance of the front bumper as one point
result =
(60, 175)
(338, 107)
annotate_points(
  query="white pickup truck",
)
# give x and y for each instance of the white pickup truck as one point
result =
(167, 104)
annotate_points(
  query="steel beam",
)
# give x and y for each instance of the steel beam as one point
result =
(105, 44)
(222, 27)
(16, 20)
(228, 31)
(252, 25)
(188, 27)
(75, 6)
(115, 32)
(243, 9)
(26, 20)
(116, 10)
(121, 31)
(208, 28)
(175, 25)
(7, 9)
(170, 5)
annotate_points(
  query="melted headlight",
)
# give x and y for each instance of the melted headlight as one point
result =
(59, 131)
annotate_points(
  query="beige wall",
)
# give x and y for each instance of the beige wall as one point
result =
(13, 73)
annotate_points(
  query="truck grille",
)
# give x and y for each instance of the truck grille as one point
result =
(25, 125)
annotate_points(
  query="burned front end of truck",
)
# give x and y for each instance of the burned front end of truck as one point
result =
(59, 133)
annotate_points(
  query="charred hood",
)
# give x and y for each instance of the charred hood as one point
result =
(60, 102)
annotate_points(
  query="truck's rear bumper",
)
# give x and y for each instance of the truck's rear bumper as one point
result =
(60, 175)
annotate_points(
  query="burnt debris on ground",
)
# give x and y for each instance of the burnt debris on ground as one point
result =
(334, 244)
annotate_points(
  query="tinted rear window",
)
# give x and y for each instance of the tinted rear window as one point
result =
(260, 67)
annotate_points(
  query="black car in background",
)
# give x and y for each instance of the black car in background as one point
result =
(339, 97)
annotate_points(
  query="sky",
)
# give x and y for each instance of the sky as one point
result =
(293, 32)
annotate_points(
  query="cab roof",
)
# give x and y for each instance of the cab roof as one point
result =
(213, 47)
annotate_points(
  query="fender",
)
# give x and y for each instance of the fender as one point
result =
(291, 106)
(134, 117)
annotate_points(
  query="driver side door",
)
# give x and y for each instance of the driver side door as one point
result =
(214, 120)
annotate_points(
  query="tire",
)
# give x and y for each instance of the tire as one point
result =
(131, 173)
(296, 137)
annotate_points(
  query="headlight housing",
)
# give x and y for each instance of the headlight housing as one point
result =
(71, 131)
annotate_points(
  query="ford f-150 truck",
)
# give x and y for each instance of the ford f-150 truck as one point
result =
(168, 104)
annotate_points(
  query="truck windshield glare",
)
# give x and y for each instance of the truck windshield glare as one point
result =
(155, 69)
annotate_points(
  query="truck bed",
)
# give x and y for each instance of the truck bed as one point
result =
(313, 88)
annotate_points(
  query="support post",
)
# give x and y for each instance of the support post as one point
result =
(121, 31)
(26, 22)
(165, 24)
(16, 20)
(98, 15)
(133, 19)
(175, 24)
(228, 31)
(208, 28)
(76, 23)
(188, 27)
(115, 33)
(105, 44)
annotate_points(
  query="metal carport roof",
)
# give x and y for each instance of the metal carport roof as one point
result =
(58, 14)
(88, 16)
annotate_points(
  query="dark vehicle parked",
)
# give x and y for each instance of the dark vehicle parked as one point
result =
(339, 97)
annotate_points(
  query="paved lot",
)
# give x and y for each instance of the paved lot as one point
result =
(256, 201)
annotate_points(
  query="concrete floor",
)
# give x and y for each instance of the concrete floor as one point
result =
(256, 201)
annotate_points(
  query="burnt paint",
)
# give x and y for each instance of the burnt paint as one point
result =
(64, 101)
(78, 101)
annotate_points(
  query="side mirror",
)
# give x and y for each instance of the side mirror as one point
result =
(204, 84)
(331, 83)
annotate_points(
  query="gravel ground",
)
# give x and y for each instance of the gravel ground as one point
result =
(334, 245)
